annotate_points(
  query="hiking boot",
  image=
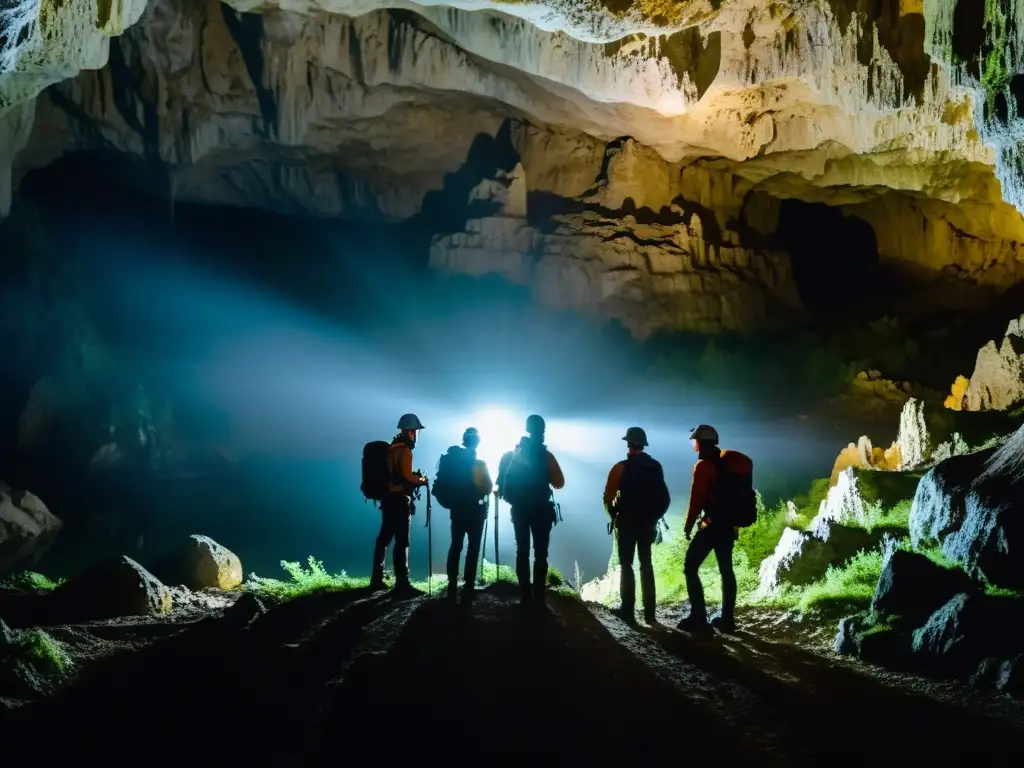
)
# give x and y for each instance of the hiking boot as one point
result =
(693, 624)
(626, 614)
(453, 590)
(651, 618)
(468, 592)
(722, 624)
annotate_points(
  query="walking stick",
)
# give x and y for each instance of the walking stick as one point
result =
(497, 559)
(430, 543)
(483, 551)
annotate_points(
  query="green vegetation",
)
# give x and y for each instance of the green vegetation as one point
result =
(31, 662)
(304, 581)
(313, 577)
(30, 581)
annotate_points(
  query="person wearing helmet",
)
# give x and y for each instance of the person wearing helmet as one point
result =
(526, 477)
(636, 498)
(715, 533)
(468, 511)
(397, 509)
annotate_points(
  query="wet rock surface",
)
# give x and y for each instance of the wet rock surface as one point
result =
(334, 670)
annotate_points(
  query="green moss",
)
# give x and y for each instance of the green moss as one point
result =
(31, 662)
(30, 581)
(304, 581)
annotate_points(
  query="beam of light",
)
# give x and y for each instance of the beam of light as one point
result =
(500, 430)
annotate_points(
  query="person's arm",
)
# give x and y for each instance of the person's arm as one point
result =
(700, 492)
(405, 469)
(611, 487)
(482, 478)
(555, 471)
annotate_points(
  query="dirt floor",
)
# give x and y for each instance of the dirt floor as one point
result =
(325, 678)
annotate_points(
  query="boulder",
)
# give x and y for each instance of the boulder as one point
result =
(974, 506)
(208, 564)
(968, 629)
(116, 587)
(856, 489)
(913, 587)
(860, 635)
(27, 528)
(938, 508)
(801, 557)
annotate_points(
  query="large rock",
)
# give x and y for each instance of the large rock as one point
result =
(968, 629)
(913, 587)
(208, 564)
(998, 379)
(27, 528)
(974, 506)
(116, 587)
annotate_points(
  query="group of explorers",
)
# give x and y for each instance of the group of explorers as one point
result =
(636, 498)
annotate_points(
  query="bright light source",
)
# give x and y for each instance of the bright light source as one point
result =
(500, 431)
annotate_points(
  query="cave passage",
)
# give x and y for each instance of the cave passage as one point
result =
(835, 257)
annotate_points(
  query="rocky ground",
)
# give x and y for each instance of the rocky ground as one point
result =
(225, 678)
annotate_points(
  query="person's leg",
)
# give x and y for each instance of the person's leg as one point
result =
(384, 537)
(402, 522)
(521, 528)
(475, 532)
(455, 551)
(700, 547)
(644, 545)
(725, 541)
(540, 526)
(625, 539)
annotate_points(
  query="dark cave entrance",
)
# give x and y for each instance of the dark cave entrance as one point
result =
(835, 257)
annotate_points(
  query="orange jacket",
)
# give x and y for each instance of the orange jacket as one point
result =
(705, 473)
(400, 466)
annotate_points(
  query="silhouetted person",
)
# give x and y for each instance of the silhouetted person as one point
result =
(636, 497)
(525, 479)
(714, 468)
(463, 485)
(396, 509)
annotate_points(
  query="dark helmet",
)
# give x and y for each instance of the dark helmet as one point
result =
(704, 433)
(471, 437)
(410, 422)
(535, 425)
(636, 436)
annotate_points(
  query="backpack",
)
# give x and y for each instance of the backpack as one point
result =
(734, 498)
(643, 495)
(454, 487)
(376, 471)
(527, 480)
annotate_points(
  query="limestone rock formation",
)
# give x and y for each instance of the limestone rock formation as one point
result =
(27, 528)
(998, 379)
(702, 116)
(971, 505)
(649, 276)
(914, 440)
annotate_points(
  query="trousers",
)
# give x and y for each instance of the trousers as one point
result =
(720, 539)
(395, 521)
(532, 523)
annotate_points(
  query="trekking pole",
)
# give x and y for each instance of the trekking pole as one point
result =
(430, 543)
(483, 552)
(497, 559)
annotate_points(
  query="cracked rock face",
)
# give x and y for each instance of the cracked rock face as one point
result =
(366, 109)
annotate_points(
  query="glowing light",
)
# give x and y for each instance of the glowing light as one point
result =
(500, 431)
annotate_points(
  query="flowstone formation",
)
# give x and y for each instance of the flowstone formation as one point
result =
(683, 127)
